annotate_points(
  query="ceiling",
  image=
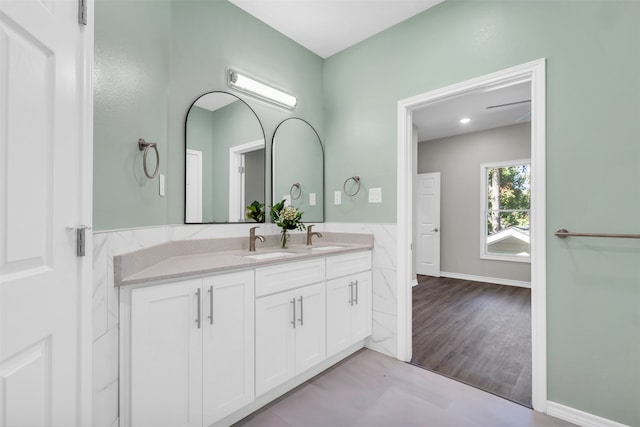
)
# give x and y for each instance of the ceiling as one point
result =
(326, 27)
(442, 119)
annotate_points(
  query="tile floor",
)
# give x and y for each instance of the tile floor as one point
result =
(370, 389)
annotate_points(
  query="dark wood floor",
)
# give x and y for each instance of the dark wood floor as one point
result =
(477, 333)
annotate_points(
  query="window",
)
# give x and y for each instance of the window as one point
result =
(506, 202)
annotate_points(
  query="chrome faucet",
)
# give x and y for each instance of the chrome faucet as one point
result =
(252, 239)
(310, 235)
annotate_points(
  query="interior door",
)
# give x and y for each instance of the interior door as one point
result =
(45, 192)
(428, 224)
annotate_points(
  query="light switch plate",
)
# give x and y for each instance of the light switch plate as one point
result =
(375, 195)
(312, 199)
(161, 180)
(287, 199)
(337, 198)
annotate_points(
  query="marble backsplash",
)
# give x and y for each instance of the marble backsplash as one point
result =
(106, 244)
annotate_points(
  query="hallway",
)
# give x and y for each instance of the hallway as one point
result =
(476, 333)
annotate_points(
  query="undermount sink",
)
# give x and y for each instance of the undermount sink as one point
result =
(270, 255)
(326, 248)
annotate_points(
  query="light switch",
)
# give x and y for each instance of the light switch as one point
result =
(287, 199)
(312, 199)
(375, 195)
(337, 198)
(161, 181)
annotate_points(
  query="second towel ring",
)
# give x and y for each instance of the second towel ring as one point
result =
(355, 179)
(296, 185)
(144, 145)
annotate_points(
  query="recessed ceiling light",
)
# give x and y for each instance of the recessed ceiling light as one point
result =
(465, 120)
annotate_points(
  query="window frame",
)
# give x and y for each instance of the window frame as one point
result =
(484, 212)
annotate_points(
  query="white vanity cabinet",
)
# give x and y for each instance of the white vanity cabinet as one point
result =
(290, 323)
(211, 350)
(349, 300)
(188, 350)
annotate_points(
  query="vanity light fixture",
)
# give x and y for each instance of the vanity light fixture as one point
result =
(465, 120)
(261, 90)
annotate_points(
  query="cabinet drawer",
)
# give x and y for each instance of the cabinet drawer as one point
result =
(341, 265)
(288, 275)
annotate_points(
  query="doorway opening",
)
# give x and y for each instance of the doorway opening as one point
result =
(531, 73)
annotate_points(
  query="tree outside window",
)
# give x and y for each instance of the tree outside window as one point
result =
(506, 195)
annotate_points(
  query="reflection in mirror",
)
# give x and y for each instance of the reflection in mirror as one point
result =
(298, 168)
(225, 159)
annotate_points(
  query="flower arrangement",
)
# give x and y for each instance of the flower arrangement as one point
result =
(255, 211)
(287, 218)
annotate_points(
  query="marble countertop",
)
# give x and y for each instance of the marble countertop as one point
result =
(173, 261)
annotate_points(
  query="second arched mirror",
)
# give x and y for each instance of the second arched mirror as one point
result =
(225, 160)
(298, 168)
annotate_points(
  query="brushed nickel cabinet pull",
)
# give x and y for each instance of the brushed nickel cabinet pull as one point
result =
(351, 293)
(211, 304)
(301, 310)
(293, 301)
(356, 286)
(199, 319)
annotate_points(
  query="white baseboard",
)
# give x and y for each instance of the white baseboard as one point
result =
(414, 282)
(581, 418)
(494, 280)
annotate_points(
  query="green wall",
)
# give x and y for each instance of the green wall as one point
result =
(593, 158)
(152, 60)
(131, 84)
(209, 36)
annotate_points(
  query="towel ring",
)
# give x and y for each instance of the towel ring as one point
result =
(144, 145)
(355, 179)
(296, 185)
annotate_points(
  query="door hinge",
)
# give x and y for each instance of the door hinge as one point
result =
(82, 12)
(240, 169)
(81, 239)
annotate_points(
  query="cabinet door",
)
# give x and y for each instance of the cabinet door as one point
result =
(361, 315)
(338, 315)
(166, 355)
(275, 340)
(228, 349)
(310, 329)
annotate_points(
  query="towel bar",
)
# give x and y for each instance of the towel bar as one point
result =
(563, 232)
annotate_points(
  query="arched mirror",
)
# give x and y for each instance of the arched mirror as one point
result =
(298, 168)
(225, 160)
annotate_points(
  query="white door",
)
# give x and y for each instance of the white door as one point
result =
(45, 187)
(428, 224)
(311, 327)
(193, 206)
(228, 350)
(166, 355)
(275, 340)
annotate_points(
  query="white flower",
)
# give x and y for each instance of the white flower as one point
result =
(288, 213)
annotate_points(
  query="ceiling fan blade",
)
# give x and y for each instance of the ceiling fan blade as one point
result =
(526, 116)
(509, 104)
